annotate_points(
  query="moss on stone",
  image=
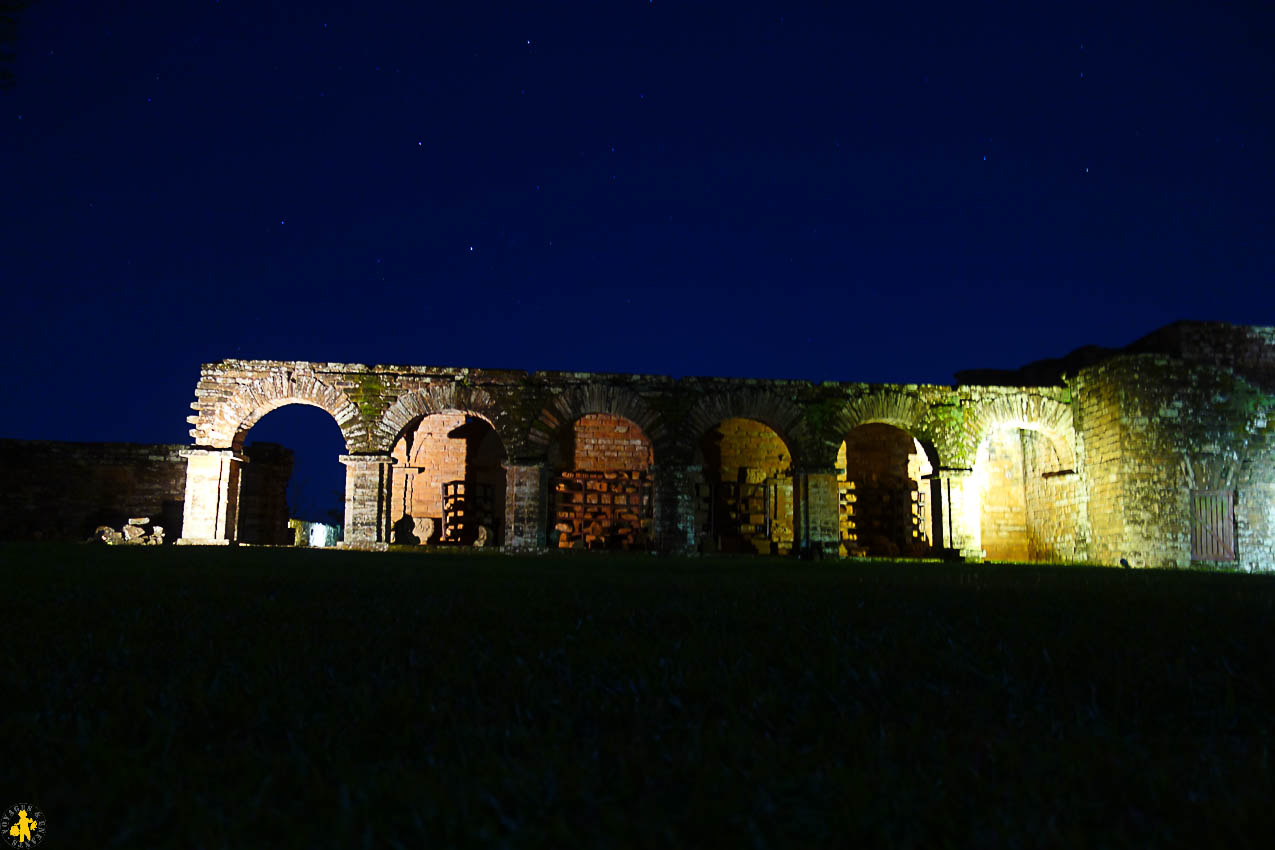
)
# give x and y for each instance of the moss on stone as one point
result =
(369, 396)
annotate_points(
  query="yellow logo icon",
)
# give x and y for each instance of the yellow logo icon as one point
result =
(26, 825)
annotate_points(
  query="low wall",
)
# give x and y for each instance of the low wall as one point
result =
(62, 491)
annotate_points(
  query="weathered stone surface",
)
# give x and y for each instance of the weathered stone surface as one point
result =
(1092, 466)
(423, 528)
(64, 491)
(367, 496)
(106, 534)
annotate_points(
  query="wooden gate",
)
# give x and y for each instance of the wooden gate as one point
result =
(1212, 525)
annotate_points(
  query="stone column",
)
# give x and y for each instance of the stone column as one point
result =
(367, 501)
(956, 511)
(674, 486)
(210, 513)
(526, 506)
(817, 528)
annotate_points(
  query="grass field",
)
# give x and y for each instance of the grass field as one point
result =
(210, 698)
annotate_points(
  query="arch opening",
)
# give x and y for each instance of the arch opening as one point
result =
(1027, 496)
(744, 502)
(601, 494)
(291, 487)
(447, 486)
(883, 493)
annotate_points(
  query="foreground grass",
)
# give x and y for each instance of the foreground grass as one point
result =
(286, 698)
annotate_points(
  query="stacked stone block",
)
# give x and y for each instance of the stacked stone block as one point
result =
(603, 499)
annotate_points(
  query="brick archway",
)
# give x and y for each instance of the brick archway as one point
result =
(904, 411)
(569, 406)
(447, 481)
(769, 408)
(224, 423)
(227, 411)
(413, 404)
(1022, 501)
(1026, 411)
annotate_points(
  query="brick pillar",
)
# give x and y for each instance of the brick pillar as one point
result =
(211, 509)
(817, 530)
(367, 501)
(956, 512)
(675, 532)
(526, 506)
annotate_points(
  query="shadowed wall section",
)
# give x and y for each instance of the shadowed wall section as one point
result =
(883, 482)
(448, 482)
(746, 497)
(602, 496)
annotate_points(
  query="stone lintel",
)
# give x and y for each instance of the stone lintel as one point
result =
(203, 451)
(949, 472)
(353, 460)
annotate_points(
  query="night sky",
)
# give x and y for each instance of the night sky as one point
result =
(884, 192)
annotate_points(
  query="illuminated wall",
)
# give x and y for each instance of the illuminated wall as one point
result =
(1030, 501)
(1105, 454)
(1157, 431)
(745, 498)
(998, 475)
(883, 499)
(455, 451)
(601, 484)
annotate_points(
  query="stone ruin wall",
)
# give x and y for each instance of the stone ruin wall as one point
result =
(1155, 429)
(55, 490)
(796, 506)
(1099, 466)
(263, 498)
(52, 490)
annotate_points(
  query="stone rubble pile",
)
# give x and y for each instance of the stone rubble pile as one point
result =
(133, 533)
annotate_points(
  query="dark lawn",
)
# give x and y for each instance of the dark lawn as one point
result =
(176, 697)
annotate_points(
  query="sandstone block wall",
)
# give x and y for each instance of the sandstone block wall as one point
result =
(1100, 452)
(62, 491)
(602, 488)
(263, 495)
(746, 497)
(603, 441)
(1155, 430)
(1003, 522)
(1055, 500)
(448, 470)
(882, 504)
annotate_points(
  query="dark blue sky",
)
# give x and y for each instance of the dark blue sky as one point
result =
(824, 191)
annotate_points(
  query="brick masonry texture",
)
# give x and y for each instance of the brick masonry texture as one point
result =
(62, 491)
(601, 487)
(1094, 461)
(883, 496)
(52, 490)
